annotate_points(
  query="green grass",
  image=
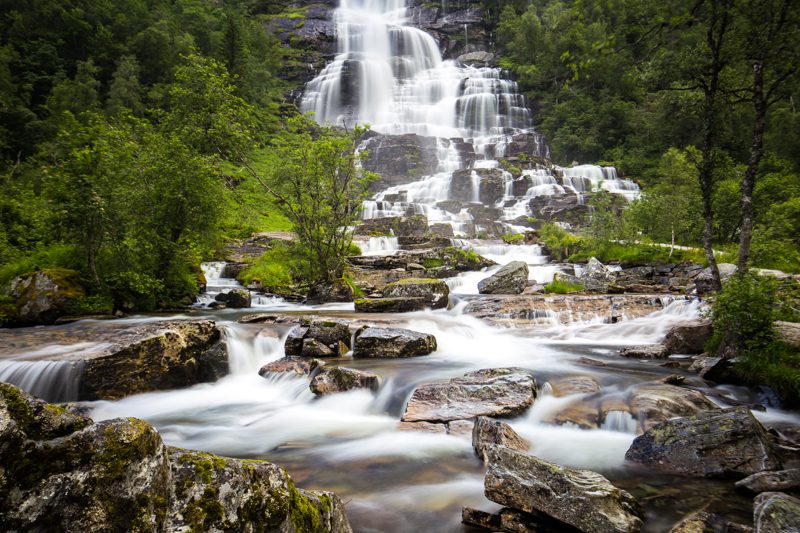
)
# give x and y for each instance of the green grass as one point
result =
(54, 256)
(562, 287)
(275, 270)
(513, 238)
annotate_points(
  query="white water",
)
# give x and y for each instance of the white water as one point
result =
(53, 381)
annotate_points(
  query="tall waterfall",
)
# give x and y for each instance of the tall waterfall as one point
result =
(392, 76)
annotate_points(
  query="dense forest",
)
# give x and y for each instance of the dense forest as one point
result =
(133, 134)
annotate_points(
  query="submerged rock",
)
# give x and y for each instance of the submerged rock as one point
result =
(776, 512)
(43, 296)
(488, 431)
(581, 498)
(688, 337)
(778, 480)
(702, 521)
(489, 392)
(62, 472)
(434, 291)
(341, 379)
(724, 442)
(392, 342)
(511, 279)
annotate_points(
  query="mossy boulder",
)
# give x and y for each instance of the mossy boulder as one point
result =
(62, 472)
(435, 291)
(43, 296)
(776, 512)
(341, 379)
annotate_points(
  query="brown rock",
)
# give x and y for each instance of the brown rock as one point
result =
(488, 431)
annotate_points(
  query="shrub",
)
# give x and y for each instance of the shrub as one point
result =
(513, 238)
(562, 287)
(276, 269)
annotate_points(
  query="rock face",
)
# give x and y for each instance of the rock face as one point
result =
(511, 279)
(689, 337)
(435, 292)
(771, 481)
(489, 392)
(392, 342)
(725, 442)
(319, 338)
(159, 356)
(581, 498)
(400, 159)
(62, 472)
(488, 431)
(43, 296)
(340, 379)
(776, 512)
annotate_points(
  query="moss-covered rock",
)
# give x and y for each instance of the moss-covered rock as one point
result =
(43, 296)
(341, 379)
(390, 305)
(776, 512)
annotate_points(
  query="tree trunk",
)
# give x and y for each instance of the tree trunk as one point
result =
(749, 179)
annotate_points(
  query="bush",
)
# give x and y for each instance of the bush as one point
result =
(276, 269)
(513, 238)
(54, 256)
(133, 290)
(96, 304)
(559, 241)
(562, 287)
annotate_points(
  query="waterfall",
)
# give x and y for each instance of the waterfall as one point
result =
(52, 381)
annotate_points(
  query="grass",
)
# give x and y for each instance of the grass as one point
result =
(513, 238)
(275, 270)
(562, 287)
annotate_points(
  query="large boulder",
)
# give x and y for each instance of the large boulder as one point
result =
(776, 512)
(341, 379)
(488, 431)
(392, 342)
(485, 185)
(488, 392)
(434, 291)
(596, 277)
(511, 279)
(62, 472)
(778, 480)
(688, 337)
(724, 442)
(328, 337)
(45, 295)
(157, 356)
(581, 498)
(704, 280)
(235, 298)
(400, 159)
(653, 403)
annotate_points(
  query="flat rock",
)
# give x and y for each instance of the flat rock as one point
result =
(511, 279)
(489, 392)
(488, 431)
(392, 342)
(341, 379)
(574, 385)
(723, 442)
(776, 512)
(778, 480)
(581, 498)
(648, 351)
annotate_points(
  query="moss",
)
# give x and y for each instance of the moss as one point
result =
(513, 238)
(432, 262)
(416, 281)
(303, 514)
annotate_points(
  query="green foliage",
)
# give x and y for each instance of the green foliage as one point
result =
(53, 256)
(96, 304)
(276, 270)
(559, 242)
(562, 287)
(742, 315)
(513, 238)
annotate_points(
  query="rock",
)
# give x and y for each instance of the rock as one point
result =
(337, 291)
(293, 364)
(294, 341)
(392, 342)
(652, 403)
(688, 337)
(435, 292)
(427, 427)
(511, 279)
(314, 348)
(488, 392)
(776, 512)
(723, 442)
(563, 277)
(779, 480)
(45, 295)
(512, 520)
(673, 379)
(701, 521)
(155, 356)
(711, 368)
(390, 305)
(238, 299)
(477, 59)
(488, 431)
(483, 185)
(62, 472)
(704, 280)
(581, 498)
(788, 332)
(341, 379)
(319, 338)
(596, 277)
(400, 159)
(650, 351)
(574, 385)
(442, 230)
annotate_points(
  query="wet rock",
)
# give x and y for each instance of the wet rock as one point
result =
(451, 206)
(392, 342)
(574, 385)
(488, 431)
(711, 368)
(390, 305)
(483, 185)
(291, 364)
(688, 337)
(400, 159)
(314, 348)
(776, 512)
(156, 356)
(673, 379)
(434, 291)
(701, 521)
(563, 277)
(294, 341)
(511, 279)
(582, 414)
(724, 442)
(43, 296)
(460, 428)
(596, 277)
(427, 427)
(318, 338)
(489, 392)
(581, 498)
(341, 379)
(649, 351)
(778, 480)
(477, 59)
(652, 403)
(788, 332)
(442, 230)
(337, 291)
(512, 520)
(237, 299)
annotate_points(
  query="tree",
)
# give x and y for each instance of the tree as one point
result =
(126, 91)
(319, 185)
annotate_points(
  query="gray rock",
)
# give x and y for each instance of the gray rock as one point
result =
(45, 295)
(341, 379)
(688, 337)
(778, 480)
(567, 278)
(703, 281)
(390, 305)
(392, 342)
(292, 364)
(581, 498)
(294, 341)
(596, 277)
(489, 185)
(724, 442)
(477, 59)
(400, 159)
(488, 431)
(513, 521)
(776, 512)
(649, 351)
(488, 392)
(711, 368)
(434, 291)
(511, 279)
(788, 332)
(314, 348)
